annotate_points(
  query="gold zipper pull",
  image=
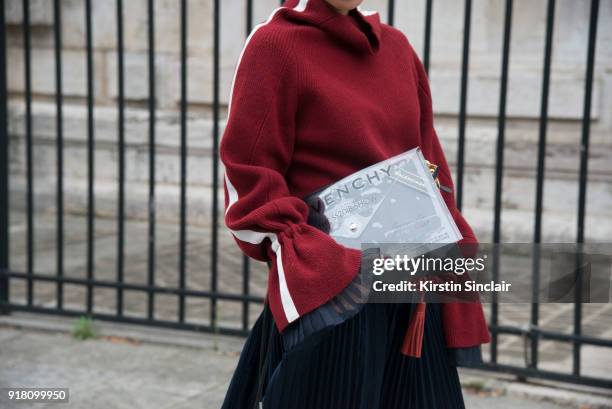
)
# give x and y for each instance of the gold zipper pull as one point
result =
(434, 169)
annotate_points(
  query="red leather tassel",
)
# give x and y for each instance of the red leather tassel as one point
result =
(413, 341)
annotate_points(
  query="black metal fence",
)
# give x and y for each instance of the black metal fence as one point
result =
(533, 333)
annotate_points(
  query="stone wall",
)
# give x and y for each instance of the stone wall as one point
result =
(566, 99)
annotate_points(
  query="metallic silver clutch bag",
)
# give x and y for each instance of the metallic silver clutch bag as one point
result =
(394, 205)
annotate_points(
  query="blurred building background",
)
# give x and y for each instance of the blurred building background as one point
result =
(523, 109)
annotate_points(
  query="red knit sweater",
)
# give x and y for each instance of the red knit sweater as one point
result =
(316, 96)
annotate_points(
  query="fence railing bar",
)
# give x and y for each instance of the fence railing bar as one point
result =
(215, 165)
(27, 55)
(499, 168)
(57, 34)
(246, 279)
(586, 120)
(246, 262)
(90, 154)
(584, 166)
(554, 336)
(120, 156)
(391, 12)
(151, 199)
(550, 375)
(535, 307)
(541, 168)
(249, 17)
(427, 35)
(465, 64)
(494, 311)
(4, 167)
(183, 153)
(501, 123)
(190, 326)
(134, 287)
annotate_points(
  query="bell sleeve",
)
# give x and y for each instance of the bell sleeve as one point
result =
(269, 223)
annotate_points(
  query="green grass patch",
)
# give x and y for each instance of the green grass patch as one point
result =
(83, 329)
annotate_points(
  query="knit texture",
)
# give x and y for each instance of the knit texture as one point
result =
(316, 96)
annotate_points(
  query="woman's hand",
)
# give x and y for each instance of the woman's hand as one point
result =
(316, 217)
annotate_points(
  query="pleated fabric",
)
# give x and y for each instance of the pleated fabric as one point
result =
(355, 365)
(343, 306)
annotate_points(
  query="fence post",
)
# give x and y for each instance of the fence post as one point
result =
(4, 171)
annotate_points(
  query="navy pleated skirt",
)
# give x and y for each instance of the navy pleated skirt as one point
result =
(355, 365)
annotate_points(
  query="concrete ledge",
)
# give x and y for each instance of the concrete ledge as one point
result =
(575, 396)
(128, 332)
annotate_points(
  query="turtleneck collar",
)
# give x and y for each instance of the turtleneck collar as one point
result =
(359, 29)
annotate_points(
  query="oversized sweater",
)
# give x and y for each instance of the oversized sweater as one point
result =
(316, 96)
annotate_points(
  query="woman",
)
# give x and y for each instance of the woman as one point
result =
(323, 89)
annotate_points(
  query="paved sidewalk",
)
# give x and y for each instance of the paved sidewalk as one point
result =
(134, 367)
